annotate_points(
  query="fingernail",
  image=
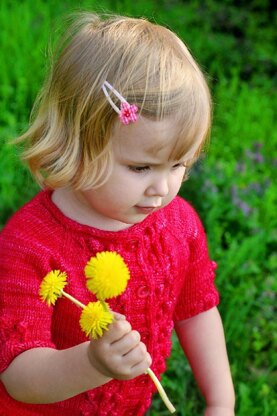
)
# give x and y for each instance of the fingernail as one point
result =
(119, 317)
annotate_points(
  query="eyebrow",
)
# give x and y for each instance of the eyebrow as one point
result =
(145, 163)
(150, 163)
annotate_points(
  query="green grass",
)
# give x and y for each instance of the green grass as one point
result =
(233, 187)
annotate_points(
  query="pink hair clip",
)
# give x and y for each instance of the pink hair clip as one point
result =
(127, 112)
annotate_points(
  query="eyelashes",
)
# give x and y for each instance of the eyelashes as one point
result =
(138, 169)
(141, 169)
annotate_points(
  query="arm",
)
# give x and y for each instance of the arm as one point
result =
(202, 340)
(45, 375)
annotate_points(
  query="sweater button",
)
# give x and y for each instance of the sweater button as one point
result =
(132, 244)
(144, 335)
(143, 292)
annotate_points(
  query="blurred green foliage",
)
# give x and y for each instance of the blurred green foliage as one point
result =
(233, 187)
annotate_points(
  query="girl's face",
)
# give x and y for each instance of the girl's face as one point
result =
(143, 178)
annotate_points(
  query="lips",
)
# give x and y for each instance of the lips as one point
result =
(146, 210)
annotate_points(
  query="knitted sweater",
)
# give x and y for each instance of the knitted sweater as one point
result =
(172, 278)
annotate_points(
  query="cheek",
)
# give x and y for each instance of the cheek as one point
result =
(130, 182)
(122, 193)
(178, 179)
(176, 184)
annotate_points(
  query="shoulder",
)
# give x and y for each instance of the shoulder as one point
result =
(32, 219)
(181, 215)
(182, 206)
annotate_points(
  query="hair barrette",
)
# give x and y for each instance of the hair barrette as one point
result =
(127, 112)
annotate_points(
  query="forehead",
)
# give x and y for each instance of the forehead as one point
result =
(146, 137)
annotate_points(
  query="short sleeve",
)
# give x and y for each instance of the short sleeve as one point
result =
(198, 292)
(25, 321)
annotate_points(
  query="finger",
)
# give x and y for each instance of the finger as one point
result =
(119, 316)
(125, 344)
(137, 369)
(117, 330)
(142, 366)
(135, 355)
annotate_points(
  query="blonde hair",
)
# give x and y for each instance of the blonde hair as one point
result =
(68, 140)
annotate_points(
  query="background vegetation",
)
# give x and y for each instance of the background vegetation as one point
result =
(232, 188)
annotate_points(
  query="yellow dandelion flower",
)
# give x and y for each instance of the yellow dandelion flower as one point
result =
(107, 275)
(51, 286)
(95, 319)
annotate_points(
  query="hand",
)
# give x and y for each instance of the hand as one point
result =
(119, 353)
(219, 411)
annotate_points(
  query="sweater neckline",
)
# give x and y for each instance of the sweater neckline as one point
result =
(134, 230)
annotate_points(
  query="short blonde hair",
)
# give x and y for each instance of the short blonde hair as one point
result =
(68, 140)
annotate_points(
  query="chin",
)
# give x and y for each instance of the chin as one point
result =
(135, 220)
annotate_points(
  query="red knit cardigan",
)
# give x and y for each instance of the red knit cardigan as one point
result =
(172, 278)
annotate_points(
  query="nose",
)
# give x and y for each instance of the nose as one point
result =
(158, 187)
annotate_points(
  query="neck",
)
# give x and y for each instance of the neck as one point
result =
(74, 206)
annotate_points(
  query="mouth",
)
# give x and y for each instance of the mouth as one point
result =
(146, 210)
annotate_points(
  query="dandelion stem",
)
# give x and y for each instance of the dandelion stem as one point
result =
(105, 306)
(161, 391)
(74, 300)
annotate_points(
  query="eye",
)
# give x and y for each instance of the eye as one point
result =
(179, 165)
(138, 169)
(176, 166)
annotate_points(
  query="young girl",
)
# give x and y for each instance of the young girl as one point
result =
(123, 116)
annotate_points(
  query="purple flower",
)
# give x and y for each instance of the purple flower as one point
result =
(244, 207)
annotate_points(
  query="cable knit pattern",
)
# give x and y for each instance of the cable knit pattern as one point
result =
(172, 278)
